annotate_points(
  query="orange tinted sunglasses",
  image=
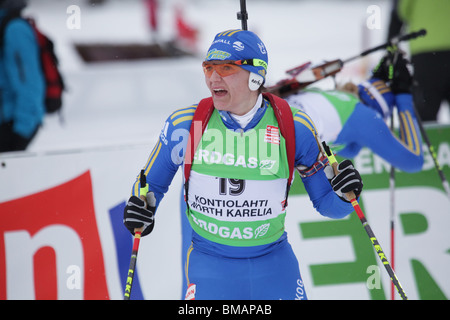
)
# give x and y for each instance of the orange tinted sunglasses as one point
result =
(222, 69)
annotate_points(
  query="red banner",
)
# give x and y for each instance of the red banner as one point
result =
(51, 239)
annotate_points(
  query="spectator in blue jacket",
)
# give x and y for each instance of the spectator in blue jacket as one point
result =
(22, 88)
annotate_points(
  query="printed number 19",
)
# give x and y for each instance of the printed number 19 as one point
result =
(236, 187)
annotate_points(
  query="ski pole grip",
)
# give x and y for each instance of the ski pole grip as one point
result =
(144, 186)
(334, 164)
(142, 194)
(138, 231)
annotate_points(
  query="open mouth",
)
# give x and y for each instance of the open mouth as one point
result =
(220, 92)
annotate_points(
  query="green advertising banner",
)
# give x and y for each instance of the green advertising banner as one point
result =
(337, 258)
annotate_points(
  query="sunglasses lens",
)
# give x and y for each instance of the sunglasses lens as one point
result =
(223, 70)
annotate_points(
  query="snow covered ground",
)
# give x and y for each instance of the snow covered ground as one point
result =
(116, 103)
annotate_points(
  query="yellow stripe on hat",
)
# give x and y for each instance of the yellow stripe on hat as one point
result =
(229, 33)
(235, 31)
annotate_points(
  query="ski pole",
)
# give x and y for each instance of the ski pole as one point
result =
(243, 15)
(351, 195)
(432, 152)
(393, 56)
(137, 237)
(392, 224)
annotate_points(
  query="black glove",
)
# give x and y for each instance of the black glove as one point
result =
(394, 69)
(139, 214)
(348, 179)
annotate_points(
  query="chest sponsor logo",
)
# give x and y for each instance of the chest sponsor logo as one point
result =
(214, 157)
(229, 232)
